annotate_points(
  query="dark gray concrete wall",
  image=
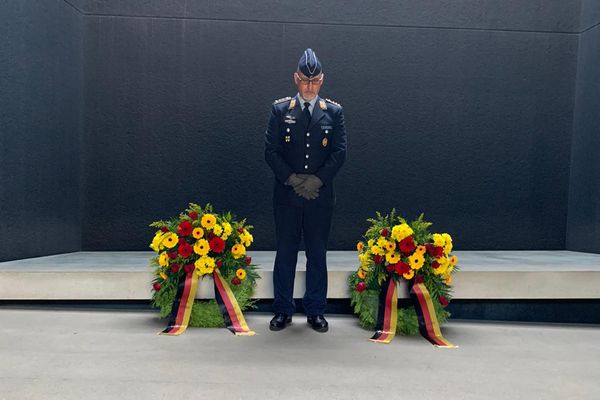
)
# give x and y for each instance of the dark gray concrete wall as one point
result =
(584, 191)
(40, 114)
(463, 113)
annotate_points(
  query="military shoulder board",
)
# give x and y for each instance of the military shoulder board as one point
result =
(281, 100)
(333, 102)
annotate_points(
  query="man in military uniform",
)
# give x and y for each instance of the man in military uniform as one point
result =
(305, 146)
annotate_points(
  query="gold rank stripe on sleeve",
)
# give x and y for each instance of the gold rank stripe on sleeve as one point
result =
(333, 102)
(281, 100)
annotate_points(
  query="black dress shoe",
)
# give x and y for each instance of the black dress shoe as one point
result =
(318, 323)
(280, 321)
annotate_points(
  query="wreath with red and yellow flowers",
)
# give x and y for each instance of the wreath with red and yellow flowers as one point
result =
(395, 249)
(200, 241)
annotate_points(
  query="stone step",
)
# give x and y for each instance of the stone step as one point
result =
(126, 275)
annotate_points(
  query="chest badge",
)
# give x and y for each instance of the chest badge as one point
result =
(287, 139)
(289, 119)
(324, 142)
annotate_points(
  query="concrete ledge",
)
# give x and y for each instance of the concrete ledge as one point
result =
(127, 276)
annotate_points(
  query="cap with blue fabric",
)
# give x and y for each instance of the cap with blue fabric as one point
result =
(309, 64)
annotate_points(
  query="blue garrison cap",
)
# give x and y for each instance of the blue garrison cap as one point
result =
(309, 64)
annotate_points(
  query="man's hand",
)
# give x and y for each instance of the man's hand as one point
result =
(309, 188)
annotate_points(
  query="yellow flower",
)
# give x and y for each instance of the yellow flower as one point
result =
(163, 259)
(370, 243)
(163, 276)
(420, 249)
(409, 274)
(377, 250)
(401, 231)
(208, 221)
(205, 265)
(246, 238)
(416, 261)
(448, 280)
(392, 257)
(453, 260)
(382, 242)
(155, 245)
(238, 250)
(390, 246)
(442, 269)
(197, 233)
(365, 259)
(438, 240)
(448, 248)
(447, 237)
(217, 230)
(362, 274)
(170, 239)
(201, 247)
(360, 246)
(227, 229)
(241, 274)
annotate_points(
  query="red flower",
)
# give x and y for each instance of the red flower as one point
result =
(188, 268)
(185, 250)
(402, 268)
(248, 260)
(182, 241)
(385, 232)
(164, 229)
(172, 255)
(217, 244)
(419, 279)
(377, 259)
(156, 286)
(435, 264)
(219, 263)
(434, 251)
(360, 287)
(407, 245)
(193, 215)
(390, 268)
(211, 236)
(175, 268)
(185, 228)
(240, 229)
(443, 301)
(236, 281)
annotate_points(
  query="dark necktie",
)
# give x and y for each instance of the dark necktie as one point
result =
(306, 114)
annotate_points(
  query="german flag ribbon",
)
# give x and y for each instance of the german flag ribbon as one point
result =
(428, 323)
(182, 305)
(232, 314)
(184, 301)
(387, 313)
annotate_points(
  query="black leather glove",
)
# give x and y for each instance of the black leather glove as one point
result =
(294, 180)
(309, 188)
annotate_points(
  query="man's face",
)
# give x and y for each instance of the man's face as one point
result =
(308, 88)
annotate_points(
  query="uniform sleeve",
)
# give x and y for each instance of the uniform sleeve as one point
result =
(336, 158)
(274, 150)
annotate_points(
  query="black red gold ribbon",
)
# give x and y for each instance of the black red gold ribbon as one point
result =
(428, 323)
(184, 301)
(182, 305)
(232, 314)
(387, 313)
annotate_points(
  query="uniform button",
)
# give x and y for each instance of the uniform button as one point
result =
(306, 167)
(307, 133)
(326, 131)
(307, 144)
(287, 130)
(307, 156)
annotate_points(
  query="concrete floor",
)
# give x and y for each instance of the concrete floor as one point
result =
(48, 354)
